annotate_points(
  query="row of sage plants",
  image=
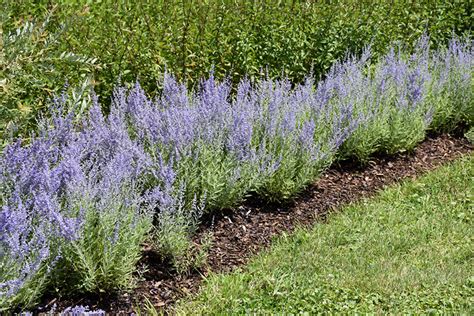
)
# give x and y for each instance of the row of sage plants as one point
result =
(79, 200)
(46, 42)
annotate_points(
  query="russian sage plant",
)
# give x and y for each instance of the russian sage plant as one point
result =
(105, 194)
(268, 138)
(452, 88)
(71, 210)
(403, 95)
(33, 225)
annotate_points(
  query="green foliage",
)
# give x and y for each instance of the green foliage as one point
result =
(295, 171)
(28, 295)
(405, 130)
(106, 40)
(148, 309)
(216, 177)
(33, 69)
(365, 141)
(172, 238)
(453, 103)
(470, 135)
(104, 258)
(407, 251)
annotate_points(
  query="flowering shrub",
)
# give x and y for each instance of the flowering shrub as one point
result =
(80, 199)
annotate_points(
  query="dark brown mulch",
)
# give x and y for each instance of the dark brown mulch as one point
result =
(240, 233)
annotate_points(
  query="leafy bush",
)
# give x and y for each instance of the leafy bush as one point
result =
(105, 41)
(33, 68)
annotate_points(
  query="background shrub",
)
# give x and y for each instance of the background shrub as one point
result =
(33, 69)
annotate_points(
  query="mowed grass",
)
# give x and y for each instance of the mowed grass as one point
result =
(410, 249)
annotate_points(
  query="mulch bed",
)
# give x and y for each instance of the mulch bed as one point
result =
(240, 233)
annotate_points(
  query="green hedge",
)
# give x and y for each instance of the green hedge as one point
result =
(95, 42)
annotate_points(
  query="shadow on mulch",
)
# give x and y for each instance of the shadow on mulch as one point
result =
(241, 232)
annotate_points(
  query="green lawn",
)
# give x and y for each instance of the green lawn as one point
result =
(410, 249)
